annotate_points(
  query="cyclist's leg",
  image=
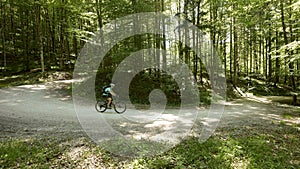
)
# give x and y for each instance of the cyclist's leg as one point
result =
(109, 100)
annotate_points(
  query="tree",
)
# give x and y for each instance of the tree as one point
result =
(40, 34)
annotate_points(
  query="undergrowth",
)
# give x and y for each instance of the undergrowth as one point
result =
(275, 147)
(30, 78)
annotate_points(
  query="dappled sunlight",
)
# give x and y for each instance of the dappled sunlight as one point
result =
(207, 121)
(284, 101)
(32, 109)
(232, 104)
(169, 117)
(249, 112)
(10, 77)
(79, 152)
(34, 87)
(168, 127)
(260, 99)
(142, 116)
(47, 97)
(4, 91)
(279, 118)
(65, 81)
(4, 101)
(30, 96)
(164, 127)
(67, 98)
(240, 163)
(162, 124)
(14, 102)
(210, 84)
(137, 135)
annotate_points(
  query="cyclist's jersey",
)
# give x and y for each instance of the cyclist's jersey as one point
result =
(107, 92)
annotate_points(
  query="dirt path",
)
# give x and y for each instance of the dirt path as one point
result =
(259, 111)
(43, 109)
(37, 110)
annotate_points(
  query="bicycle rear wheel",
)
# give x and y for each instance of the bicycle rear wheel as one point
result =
(100, 106)
(120, 107)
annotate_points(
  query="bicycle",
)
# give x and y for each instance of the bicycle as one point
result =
(119, 106)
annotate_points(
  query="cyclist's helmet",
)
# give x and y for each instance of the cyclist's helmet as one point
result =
(112, 84)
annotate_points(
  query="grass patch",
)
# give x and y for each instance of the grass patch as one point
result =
(276, 147)
(28, 152)
(254, 149)
(51, 153)
(290, 115)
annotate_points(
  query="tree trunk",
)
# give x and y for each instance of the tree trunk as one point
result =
(291, 64)
(260, 55)
(12, 28)
(26, 41)
(61, 39)
(231, 51)
(265, 55)
(224, 54)
(246, 55)
(157, 42)
(40, 36)
(100, 20)
(235, 53)
(164, 55)
(2, 30)
(4, 50)
(195, 39)
(250, 55)
(186, 35)
(286, 41)
(269, 54)
(255, 55)
(277, 71)
(199, 45)
(53, 38)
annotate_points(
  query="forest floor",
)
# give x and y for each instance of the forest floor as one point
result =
(46, 111)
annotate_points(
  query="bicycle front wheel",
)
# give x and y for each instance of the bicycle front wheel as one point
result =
(120, 107)
(100, 106)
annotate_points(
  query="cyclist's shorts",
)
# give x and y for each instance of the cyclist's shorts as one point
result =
(107, 95)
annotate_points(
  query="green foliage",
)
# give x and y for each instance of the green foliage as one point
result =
(258, 87)
(34, 78)
(288, 51)
(51, 153)
(251, 149)
(23, 153)
(248, 32)
(142, 85)
(255, 29)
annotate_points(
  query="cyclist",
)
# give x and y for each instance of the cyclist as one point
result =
(108, 93)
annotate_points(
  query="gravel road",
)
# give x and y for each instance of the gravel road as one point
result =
(37, 109)
(44, 109)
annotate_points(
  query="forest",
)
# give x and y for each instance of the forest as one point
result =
(257, 43)
(254, 39)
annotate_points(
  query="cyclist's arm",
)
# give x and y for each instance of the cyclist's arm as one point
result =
(112, 93)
